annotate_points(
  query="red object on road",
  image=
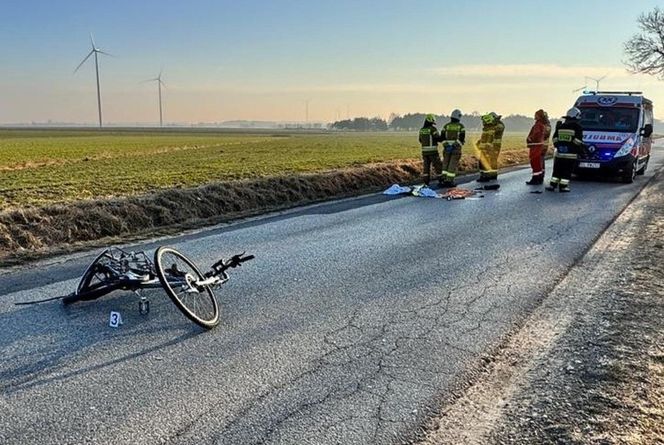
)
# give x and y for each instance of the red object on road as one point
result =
(459, 193)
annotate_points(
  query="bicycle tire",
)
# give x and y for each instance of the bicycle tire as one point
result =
(187, 304)
(86, 290)
(95, 291)
(71, 298)
(90, 273)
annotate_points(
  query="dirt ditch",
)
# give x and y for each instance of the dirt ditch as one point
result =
(32, 232)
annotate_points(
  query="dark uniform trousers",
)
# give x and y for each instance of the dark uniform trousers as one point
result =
(428, 159)
(429, 139)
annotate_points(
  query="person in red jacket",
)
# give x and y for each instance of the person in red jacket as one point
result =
(536, 143)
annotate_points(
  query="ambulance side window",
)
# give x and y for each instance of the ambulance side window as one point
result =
(648, 117)
(646, 129)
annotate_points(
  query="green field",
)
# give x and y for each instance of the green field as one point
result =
(53, 166)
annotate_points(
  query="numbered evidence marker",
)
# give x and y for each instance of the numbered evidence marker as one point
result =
(115, 320)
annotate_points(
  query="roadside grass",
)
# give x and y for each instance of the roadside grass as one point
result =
(43, 167)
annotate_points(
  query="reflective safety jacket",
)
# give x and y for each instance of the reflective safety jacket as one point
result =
(453, 134)
(429, 139)
(492, 136)
(568, 139)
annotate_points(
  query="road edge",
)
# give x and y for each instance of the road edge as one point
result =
(40, 233)
(480, 395)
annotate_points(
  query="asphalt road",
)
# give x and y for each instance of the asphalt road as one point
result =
(354, 321)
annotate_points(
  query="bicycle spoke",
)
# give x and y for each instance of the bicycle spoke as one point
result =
(180, 276)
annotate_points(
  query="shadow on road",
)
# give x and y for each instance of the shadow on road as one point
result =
(49, 342)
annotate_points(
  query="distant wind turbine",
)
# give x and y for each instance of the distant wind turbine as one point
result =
(159, 85)
(95, 51)
(597, 81)
(585, 87)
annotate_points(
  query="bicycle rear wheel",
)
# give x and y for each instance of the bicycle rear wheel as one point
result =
(95, 282)
(177, 275)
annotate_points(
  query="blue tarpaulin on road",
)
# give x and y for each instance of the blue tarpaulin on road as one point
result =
(422, 191)
(396, 189)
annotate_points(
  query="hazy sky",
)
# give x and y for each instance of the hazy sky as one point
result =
(262, 60)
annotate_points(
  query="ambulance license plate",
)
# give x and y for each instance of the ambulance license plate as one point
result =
(589, 164)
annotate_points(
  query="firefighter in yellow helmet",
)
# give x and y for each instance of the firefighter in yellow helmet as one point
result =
(453, 136)
(429, 139)
(489, 146)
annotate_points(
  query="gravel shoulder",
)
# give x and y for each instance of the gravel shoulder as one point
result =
(588, 365)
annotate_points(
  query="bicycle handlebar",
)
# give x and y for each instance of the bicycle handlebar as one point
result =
(222, 265)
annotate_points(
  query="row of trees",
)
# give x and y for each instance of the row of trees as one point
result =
(361, 124)
(414, 121)
(471, 121)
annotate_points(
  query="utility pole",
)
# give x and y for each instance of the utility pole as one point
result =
(306, 113)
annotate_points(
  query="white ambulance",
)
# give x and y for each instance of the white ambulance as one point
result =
(617, 131)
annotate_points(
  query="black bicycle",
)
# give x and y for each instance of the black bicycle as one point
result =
(191, 291)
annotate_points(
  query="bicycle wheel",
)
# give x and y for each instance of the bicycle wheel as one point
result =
(95, 291)
(177, 275)
(95, 282)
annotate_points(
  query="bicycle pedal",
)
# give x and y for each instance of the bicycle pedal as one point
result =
(144, 306)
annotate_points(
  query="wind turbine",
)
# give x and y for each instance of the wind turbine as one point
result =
(585, 87)
(159, 84)
(597, 81)
(95, 51)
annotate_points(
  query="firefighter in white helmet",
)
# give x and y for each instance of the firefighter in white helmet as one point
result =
(568, 140)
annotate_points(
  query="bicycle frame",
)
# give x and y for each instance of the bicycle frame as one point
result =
(190, 290)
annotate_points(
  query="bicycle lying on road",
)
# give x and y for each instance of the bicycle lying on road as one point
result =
(191, 291)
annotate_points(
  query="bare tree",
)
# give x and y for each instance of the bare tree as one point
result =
(645, 51)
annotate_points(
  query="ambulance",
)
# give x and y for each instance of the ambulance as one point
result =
(617, 131)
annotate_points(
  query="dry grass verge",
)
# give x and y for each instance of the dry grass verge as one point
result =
(31, 232)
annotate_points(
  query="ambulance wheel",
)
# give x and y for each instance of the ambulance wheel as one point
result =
(630, 174)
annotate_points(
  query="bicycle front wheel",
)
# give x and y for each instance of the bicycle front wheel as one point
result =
(178, 275)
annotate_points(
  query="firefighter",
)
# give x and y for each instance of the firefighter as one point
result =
(535, 141)
(489, 146)
(453, 136)
(429, 138)
(568, 140)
